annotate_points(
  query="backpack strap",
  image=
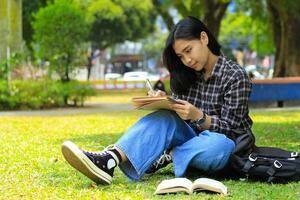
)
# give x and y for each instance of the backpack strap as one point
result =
(295, 154)
(249, 163)
(272, 170)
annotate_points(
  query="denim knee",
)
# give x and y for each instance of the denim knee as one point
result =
(217, 154)
(164, 114)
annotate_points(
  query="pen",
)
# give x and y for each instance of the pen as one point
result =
(150, 85)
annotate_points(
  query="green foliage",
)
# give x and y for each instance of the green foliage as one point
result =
(251, 25)
(7, 65)
(43, 94)
(190, 7)
(251, 33)
(106, 8)
(76, 92)
(255, 9)
(258, 9)
(114, 21)
(209, 11)
(33, 167)
(60, 28)
(29, 7)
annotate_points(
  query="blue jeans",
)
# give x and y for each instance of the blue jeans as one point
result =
(146, 140)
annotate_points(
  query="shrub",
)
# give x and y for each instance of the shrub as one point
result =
(43, 94)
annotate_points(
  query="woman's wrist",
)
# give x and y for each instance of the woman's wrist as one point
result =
(198, 116)
(201, 120)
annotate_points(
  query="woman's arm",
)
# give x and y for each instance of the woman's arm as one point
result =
(235, 107)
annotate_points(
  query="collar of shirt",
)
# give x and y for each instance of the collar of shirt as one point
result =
(217, 70)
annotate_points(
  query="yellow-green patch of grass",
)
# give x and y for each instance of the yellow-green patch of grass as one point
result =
(116, 96)
(32, 166)
(278, 128)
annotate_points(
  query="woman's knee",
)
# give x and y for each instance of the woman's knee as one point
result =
(219, 143)
(164, 112)
(225, 144)
(165, 115)
(216, 154)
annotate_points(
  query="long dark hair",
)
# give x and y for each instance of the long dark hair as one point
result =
(189, 28)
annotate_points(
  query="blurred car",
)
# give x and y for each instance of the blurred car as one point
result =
(254, 72)
(139, 76)
(112, 76)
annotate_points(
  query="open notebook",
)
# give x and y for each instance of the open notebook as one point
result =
(153, 103)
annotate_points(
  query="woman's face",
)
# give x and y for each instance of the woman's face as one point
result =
(193, 53)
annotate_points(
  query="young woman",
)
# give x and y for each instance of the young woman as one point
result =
(213, 93)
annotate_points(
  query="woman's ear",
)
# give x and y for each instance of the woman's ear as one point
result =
(204, 37)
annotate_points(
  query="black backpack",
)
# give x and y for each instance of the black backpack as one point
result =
(270, 164)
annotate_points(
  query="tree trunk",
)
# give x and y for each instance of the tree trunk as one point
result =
(89, 66)
(164, 13)
(214, 11)
(67, 78)
(210, 11)
(286, 31)
(10, 27)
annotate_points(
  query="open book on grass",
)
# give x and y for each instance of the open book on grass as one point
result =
(153, 103)
(185, 185)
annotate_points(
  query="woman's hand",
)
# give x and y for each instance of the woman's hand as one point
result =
(186, 111)
(158, 93)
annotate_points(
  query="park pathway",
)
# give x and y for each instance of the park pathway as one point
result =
(87, 109)
(105, 107)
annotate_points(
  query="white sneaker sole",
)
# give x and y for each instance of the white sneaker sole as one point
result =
(82, 163)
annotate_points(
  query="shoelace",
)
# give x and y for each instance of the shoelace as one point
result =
(103, 152)
(163, 158)
(111, 146)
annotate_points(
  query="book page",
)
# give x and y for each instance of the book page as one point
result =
(163, 104)
(148, 98)
(153, 103)
(172, 100)
(210, 185)
(174, 185)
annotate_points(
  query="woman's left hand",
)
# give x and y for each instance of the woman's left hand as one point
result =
(186, 110)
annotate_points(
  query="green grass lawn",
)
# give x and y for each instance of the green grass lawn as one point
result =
(32, 166)
(116, 96)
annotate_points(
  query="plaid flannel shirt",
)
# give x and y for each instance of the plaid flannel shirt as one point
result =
(224, 97)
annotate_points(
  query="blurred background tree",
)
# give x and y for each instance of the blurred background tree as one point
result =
(210, 12)
(59, 29)
(282, 18)
(10, 38)
(115, 21)
(285, 19)
(247, 32)
(29, 8)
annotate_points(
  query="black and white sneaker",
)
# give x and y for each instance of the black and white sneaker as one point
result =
(162, 162)
(99, 167)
